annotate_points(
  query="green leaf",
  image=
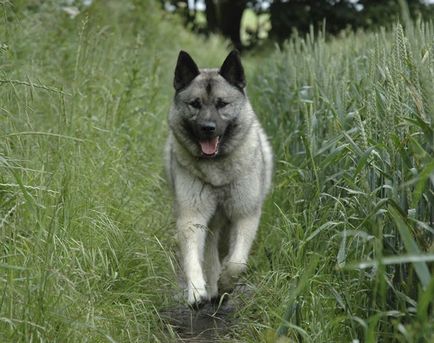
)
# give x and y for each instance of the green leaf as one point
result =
(411, 246)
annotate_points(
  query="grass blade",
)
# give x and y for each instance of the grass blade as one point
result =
(411, 246)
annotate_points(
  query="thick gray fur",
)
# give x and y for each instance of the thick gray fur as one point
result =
(218, 199)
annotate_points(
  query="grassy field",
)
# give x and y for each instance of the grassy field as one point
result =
(345, 250)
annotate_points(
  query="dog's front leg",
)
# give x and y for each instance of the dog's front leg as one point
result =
(243, 232)
(192, 232)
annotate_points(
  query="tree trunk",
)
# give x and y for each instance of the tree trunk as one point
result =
(211, 15)
(231, 13)
(224, 16)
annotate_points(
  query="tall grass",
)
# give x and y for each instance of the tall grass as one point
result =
(83, 202)
(352, 123)
(86, 235)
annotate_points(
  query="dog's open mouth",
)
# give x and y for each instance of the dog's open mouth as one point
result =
(210, 147)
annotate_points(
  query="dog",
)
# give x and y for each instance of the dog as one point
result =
(219, 165)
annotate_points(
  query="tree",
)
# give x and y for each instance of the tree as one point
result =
(286, 16)
(289, 15)
(384, 12)
(224, 16)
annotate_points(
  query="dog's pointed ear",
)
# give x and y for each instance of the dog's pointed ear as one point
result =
(186, 70)
(232, 70)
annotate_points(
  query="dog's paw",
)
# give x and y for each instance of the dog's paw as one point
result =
(197, 297)
(229, 276)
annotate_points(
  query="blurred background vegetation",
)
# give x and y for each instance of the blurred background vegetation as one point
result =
(246, 23)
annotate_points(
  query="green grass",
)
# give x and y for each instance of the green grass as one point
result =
(352, 130)
(87, 249)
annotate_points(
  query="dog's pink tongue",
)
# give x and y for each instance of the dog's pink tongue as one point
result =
(209, 147)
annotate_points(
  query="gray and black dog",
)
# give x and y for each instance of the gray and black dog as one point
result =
(219, 163)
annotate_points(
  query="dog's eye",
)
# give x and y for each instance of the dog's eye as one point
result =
(220, 104)
(195, 104)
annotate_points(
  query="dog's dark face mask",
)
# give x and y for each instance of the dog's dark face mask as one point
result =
(208, 103)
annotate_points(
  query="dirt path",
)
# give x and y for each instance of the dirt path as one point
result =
(210, 323)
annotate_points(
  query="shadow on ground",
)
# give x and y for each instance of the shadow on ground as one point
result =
(210, 323)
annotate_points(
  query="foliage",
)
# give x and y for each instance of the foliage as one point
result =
(334, 16)
(287, 17)
(83, 202)
(352, 124)
(87, 248)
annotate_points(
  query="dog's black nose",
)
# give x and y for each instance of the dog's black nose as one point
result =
(207, 127)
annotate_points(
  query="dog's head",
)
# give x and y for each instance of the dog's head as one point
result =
(208, 103)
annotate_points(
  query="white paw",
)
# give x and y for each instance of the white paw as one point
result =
(229, 276)
(197, 295)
